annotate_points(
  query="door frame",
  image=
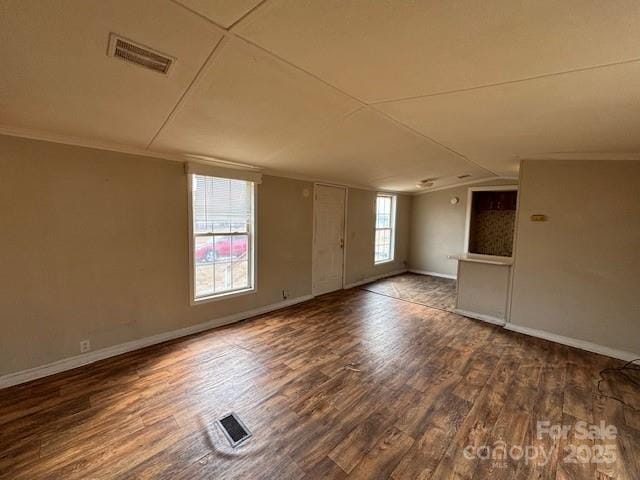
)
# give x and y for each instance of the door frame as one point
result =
(344, 232)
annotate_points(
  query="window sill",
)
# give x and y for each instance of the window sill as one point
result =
(223, 296)
(382, 262)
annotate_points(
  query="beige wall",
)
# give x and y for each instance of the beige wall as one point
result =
(482, 288)
(437, 228)
(578, 274)
(360, 236)
(94, 244)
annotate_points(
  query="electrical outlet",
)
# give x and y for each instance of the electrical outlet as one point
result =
(85, 346)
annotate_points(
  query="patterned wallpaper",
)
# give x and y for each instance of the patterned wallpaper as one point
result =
(492, 232)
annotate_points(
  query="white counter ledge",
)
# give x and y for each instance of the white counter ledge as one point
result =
(483, 259)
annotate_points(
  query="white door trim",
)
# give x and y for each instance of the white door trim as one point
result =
(344, 233)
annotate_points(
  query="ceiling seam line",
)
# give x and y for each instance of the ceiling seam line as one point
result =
(209, 58)
(312, 75)
(243, 17)
(198, 14)
(508, 82)
(229, 33)
(362, 103)
(306, 178)
(311, 132)
(420, 134)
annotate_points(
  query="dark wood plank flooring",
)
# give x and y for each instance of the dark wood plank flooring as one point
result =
(350, 385)
(426, 290)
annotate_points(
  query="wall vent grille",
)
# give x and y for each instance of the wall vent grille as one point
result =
(132, 52)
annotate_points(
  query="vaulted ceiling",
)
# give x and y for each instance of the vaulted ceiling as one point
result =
(380, 94)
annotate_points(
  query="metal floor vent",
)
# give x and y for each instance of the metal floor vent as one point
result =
(233, 428)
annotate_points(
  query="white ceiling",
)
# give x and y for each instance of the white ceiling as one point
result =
(56, 76)
(222, 12)
(588, 111)
(371, 93)
(247, 105)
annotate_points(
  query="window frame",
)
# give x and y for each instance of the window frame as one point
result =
(392, 228)
(252, 248)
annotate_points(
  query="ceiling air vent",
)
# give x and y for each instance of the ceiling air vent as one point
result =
(426, 183)
(132, 52)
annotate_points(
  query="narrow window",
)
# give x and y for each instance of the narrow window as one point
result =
(222, 212)
(385, 228)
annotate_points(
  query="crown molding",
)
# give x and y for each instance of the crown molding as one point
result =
(175, 157)
(186, 157)
(119, 148)
(470, 182)
(83, 142)
(585, 156)
(311, 179)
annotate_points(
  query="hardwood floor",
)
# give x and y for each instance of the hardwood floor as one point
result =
(427, 290)
(350, 385)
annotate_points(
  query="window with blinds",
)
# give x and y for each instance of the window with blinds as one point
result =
(222, 211)
(385, 226)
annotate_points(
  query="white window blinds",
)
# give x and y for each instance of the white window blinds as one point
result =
(223, 235)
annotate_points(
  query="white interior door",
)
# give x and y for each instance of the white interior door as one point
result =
(328, 240)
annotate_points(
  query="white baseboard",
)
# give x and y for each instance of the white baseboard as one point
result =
(480, 316)
(91, 357)
(24, 376)
(373, 279)
(574, 342)
(433, 274)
